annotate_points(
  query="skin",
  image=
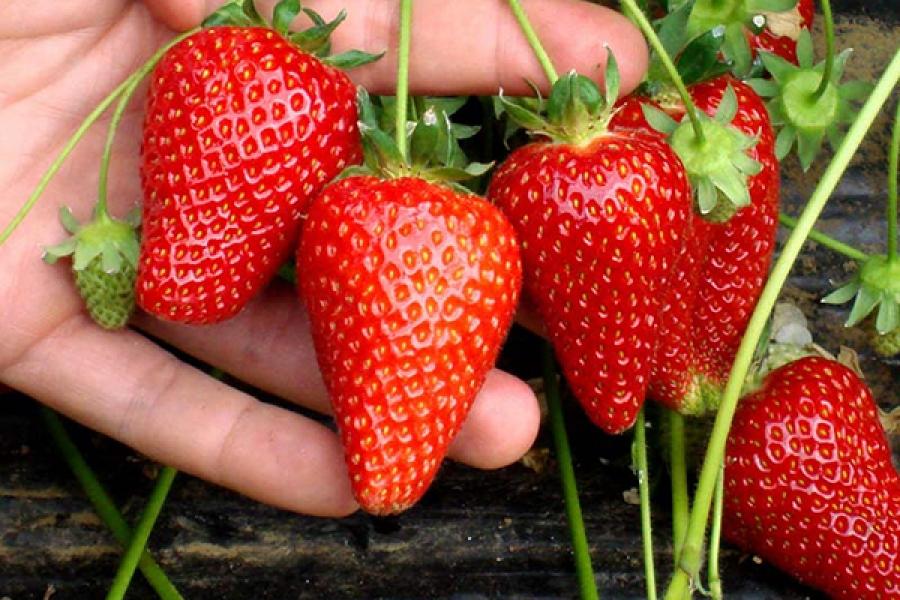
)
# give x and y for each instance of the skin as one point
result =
(57, 61)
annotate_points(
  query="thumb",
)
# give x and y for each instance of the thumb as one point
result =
(181, 15)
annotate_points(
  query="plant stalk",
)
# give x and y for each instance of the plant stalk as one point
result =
(403, 77)
(826, 240)
(691, 558)
(643, 475)
(829, 49)
(678, 465)
(141, 534)
(715, 539)
(580, 548)
(892, 189)
(534, 41)
(641, 21)
(104, 505)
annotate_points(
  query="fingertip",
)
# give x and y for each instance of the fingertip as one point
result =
(181, 15)
(501, 426)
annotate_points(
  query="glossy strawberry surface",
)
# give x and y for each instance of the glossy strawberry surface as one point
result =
(809, 484)
(242, 130)
(411, 288)
(600, 225)
(723, 266)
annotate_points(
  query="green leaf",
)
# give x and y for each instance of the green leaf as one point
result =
(561, 97)
(835, 137)
(477, 169)
(611, 83)
(785, 141)
(464, 132)
(659, 120)
(737, 49)
(728, 106)
(779, 68)
(523, 115)
(425, 137)
(449, 105)
(381, 146)
(700, 56)
(888, 318)
(707, 196)
(351, 59)
(808, 146)
(855, 90)
(843, 294)
(805, 49)
(840, 62)
(866, 299)
(366, 109)
(672, 29)
(284, 14)
(732, 185)
(758, 6)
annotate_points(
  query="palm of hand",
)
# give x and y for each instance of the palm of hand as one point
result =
(120, 383)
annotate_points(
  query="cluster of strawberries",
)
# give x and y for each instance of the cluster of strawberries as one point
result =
(643, 251)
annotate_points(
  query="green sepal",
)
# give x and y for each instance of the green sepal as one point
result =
(877, 284)
(805, 57)
(699, 61)
(284, 14)
(772, 6)
(737, 50)
(658, 120)
(785, 141)
(236, 13)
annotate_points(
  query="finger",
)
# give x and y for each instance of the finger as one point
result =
(269, 346)
(471, 46)
(123, 385)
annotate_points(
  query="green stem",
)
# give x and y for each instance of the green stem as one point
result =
(829, 49)
(102, 210)
(892, 189)
(403, 77)
(138, 543)
(715, 539)
(827, 241)
(104, 504)
(534, 41)
(79, 133)
(678, 464)
(583, 567)
(643, 475)
(641, 21)
(691, 557)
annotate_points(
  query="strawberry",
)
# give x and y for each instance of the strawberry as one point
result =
(600, 213)
(242, 130)
(782, 29)
(722, 268)
(411, 287)
(809, 484)
(104, 256)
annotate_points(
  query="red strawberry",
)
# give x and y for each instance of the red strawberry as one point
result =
(242, 130)
(722, 269)
(599, 220)
(411, 287)
(782, 30)
(809, 484)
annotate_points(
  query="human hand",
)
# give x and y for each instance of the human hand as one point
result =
(58, 61)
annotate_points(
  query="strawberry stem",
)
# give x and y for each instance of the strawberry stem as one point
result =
(641, 21)
(691, 558)
(103, 503)
(403, 78)
(826, 240)
(715, 538)
(678, 465)
(829, 50)
(583, 567)
(79, 133)
(892, 189)
(138, 543)
(101, 211)
(534, 41)
(643, 475)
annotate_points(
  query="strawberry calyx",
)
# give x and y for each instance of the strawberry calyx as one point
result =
(717, 165)
(576, 111)
(315, 40)
(736, 18)
(803, 109)
(432, 138)
(876, 285)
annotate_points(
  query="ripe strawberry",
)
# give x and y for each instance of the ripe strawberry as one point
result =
(809, 484)
(242, 130)
(782, 29)
(411, 287)
(104, 256)
(600, 213)
(722, 269)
